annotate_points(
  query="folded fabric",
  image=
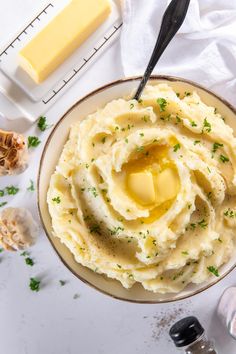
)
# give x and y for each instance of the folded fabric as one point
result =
(204, 49)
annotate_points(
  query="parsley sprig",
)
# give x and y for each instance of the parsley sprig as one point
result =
(176, 147)
(213, 270)
(33, 141)
(162, 104)
(42, 124)
(34, 284)
(31, 186)
(206, 126)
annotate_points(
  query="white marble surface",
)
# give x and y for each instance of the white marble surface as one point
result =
(52, 321)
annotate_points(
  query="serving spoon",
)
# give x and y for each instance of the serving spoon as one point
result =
(172, 20)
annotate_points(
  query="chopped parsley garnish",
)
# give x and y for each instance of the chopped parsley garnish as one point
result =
(42, 124)
(141, 134)
(206, 126)
(29, 261)
(140, 101)
(224, 158)
(62, 282)
(192, 226)
(213, 270)
(187, 93)
(131, 106)
(203, 224)
(162, 104)
(215, 110)
(2, 204)
(12, 190)
(176, 276)
(196, 142)
(93, 191)
(95, 228)
(208, 169)
(177, 94)
(31, 186)
(126, 140)
(1, 250)
(176, 147)
(230, 213)
(33, 141)
(216, 146)
(193, 124)
(185, 253)
(116, 230)
(25, 253)
(119, 266)
(178, 119)
(56, 200)
(34, 284)
(219, 239)
(139, 148)
(103, 140)
(2, 193)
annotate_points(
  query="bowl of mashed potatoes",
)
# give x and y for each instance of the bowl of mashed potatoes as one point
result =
(138, 198)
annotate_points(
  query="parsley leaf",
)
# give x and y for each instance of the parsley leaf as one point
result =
(230, 213)
(56, 200)
(224, 158)
(196, 142)
(12, 190)
(2, 193)
(176, 147)
(25, 253)
(31, 186)
(206, 126)
(185, 253)
(213, 270)
(203, 224)
(2, 204)
(139, 148)
(216, 146)
(187, 93)
(193, 124)
(42, 124)
(62, 282)
(34, 284)
(95, 228)
(116, 230)
(131, 106)
(29, 261)
(33, 141)
(93, 191)
(1, 250)
(162, 104)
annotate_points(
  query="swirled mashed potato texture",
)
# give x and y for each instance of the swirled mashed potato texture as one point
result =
(145, 191)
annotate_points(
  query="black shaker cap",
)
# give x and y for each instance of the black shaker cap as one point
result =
(186, 331)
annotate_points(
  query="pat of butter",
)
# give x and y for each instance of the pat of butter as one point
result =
(141, 186)
(167, 185)
(66, 32)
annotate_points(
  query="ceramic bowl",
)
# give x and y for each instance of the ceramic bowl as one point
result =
(52, 150)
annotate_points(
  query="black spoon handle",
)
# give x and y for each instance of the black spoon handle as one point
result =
(172, 20)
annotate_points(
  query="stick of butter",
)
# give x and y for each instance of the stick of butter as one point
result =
(66, 32)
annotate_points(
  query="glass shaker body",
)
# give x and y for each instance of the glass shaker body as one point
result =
(227, 310)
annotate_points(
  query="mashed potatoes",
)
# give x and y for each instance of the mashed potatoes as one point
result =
(145, 191)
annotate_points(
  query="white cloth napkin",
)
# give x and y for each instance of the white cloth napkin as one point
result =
(204, 49)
